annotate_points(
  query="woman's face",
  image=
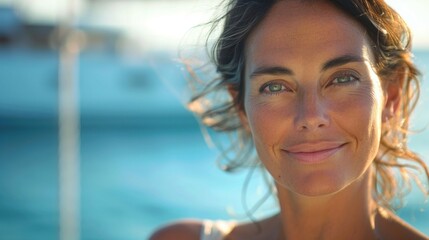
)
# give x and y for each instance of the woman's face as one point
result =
(313, 101)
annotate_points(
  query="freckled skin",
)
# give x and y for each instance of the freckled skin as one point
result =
(312, 109)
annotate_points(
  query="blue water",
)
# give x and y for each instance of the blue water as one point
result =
(135, 176)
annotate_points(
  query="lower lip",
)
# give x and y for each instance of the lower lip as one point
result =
(314, 157)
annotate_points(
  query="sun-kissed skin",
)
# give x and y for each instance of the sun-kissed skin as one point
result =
(315, 107)
(327, 199)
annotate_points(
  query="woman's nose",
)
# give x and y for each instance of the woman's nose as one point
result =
(312, 113)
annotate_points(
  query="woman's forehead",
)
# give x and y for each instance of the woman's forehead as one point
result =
(305, 29)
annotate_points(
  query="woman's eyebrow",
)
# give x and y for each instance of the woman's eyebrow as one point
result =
(342, 60)
(280, 70)
(274, 70)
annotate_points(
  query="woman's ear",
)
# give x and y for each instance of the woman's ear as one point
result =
(240, 110)
(393, 85)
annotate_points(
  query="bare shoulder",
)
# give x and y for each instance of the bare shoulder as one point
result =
(392, 227)
(181, 230)
(261, 230)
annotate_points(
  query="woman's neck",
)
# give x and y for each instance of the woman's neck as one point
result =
(347, 214)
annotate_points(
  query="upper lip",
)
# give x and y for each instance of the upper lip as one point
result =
(308, 147)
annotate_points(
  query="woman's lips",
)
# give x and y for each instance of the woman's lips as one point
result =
(313, 152)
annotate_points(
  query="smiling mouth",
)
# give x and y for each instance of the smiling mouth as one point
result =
(309, 153)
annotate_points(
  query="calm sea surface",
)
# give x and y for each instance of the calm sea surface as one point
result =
(135, 178)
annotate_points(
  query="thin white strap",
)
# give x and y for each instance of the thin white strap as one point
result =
(216, 230)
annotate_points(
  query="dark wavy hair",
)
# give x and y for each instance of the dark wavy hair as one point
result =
(391, 40)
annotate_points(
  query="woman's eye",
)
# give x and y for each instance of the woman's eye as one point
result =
(272, 88)
(344, 79)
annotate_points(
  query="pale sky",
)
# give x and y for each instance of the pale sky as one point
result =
(160, 23)
(415, 13)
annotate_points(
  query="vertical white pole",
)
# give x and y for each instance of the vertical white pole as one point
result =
(69, 204)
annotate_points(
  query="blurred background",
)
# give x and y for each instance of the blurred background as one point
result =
(95, 139)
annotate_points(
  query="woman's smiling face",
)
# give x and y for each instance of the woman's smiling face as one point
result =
(312, 101)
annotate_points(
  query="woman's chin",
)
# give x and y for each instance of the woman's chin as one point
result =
(315, 186)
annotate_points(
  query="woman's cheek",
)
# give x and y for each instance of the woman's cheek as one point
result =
(268, 122)
(364, 107)
(260, 117)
